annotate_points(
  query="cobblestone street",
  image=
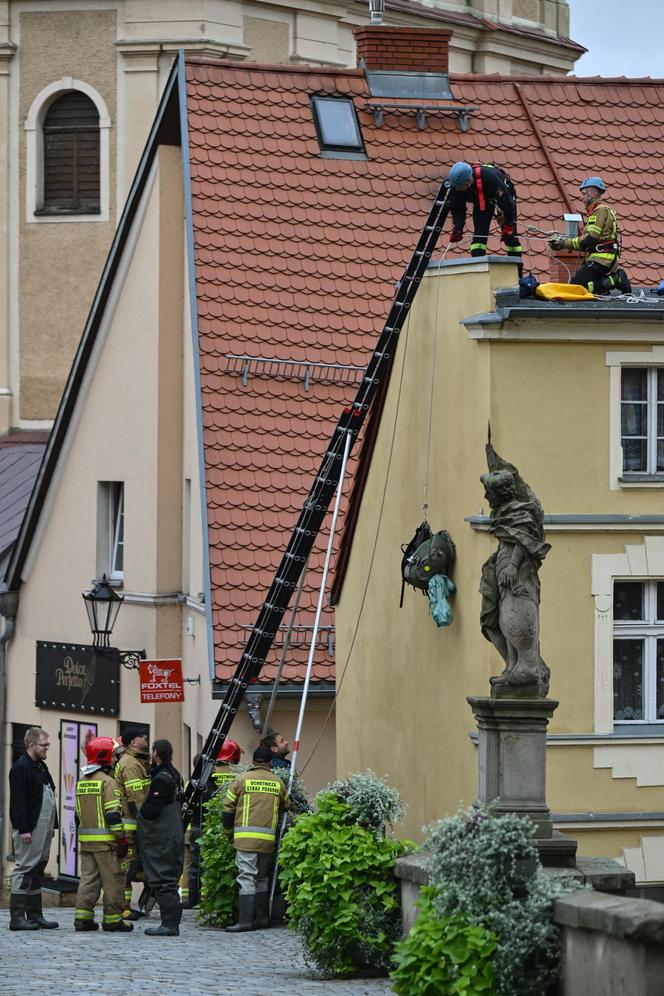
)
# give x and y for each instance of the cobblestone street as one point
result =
(201, 960)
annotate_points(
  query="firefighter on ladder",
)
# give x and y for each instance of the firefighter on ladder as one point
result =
(491, 192)
(102, 839)
(600, 241)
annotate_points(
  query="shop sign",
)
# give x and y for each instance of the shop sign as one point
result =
(161, 681)
(77, 678)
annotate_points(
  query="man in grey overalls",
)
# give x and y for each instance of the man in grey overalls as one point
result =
(33, 819)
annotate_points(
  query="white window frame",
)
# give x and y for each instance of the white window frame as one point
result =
(649, 630)
(652, 358)
(34, 184)
(110, 497)
(644, 562)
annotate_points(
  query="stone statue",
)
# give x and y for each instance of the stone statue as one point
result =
(510, 586)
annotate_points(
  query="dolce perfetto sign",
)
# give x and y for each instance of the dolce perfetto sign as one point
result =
(77, 678)
(161, 681)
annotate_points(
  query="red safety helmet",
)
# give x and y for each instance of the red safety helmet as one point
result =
(230, 752)
(99, 750)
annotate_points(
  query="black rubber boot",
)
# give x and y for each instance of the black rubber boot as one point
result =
(171, 914)
(262, 914)
(33, 908)
(83, 926)
(247, 905)
(621, 281)
(17, 910)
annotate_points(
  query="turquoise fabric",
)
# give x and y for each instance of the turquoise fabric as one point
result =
(439, 590)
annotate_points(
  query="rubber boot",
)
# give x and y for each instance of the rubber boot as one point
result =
(621, 281)
(33, 909)
(262, 914)
(247, 905)
(83, 926)
(171, 914)
(17, 919)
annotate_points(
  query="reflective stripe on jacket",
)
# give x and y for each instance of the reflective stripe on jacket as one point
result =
(134, 782)
(599, 238)
(256, 797)
(99, 811)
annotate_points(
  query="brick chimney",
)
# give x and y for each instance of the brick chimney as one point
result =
(563, 264)
(403, 50)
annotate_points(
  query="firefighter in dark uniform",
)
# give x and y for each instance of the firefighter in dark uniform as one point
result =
(161, 838)
(492, 194)
(131, 773)
(102, 840)
(600, 241)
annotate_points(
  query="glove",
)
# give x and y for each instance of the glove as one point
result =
(558, 242)
(457, 235)
(123, 847)
(506, 230)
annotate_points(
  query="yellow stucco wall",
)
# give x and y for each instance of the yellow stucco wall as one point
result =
(59, 262)
(402, 708)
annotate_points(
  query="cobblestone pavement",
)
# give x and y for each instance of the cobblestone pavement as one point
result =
(201, 960)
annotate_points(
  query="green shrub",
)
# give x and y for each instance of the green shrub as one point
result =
(486, 867)
(343, 899)
(218, 869)
(443, 956)
(372, 802)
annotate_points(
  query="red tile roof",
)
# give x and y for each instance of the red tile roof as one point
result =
(296, 259)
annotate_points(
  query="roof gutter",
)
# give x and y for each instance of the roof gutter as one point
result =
(196, 355)
(8, 610)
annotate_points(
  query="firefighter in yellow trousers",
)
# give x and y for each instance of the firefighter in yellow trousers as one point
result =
(131, 773)
(102, 841)
(250, 811)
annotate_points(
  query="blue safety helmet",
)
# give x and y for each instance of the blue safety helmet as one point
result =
(593, 181)
(460, 174)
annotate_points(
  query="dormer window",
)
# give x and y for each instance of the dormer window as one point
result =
(337, 128)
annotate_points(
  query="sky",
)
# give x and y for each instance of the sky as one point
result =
(623, 37)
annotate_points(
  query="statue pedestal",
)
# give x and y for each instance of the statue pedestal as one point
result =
(512, 767)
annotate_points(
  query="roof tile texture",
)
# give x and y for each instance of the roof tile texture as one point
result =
(297, 257)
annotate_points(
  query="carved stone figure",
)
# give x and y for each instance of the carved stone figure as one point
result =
(510, 585)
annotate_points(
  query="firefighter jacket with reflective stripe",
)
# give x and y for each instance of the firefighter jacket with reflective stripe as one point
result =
(99, 811)
(133, 780)
(599, 238)
(252, 806)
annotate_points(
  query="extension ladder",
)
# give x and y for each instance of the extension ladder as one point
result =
(316, 505)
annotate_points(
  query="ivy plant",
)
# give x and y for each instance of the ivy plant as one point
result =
(444, 956)
(343, 899)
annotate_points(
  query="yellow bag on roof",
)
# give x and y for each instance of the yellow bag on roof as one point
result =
(564, 292)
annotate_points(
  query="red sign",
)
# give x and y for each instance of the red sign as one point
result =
(161, 681)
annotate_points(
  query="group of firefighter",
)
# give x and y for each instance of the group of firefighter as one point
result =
(128, 811)
(492, 194)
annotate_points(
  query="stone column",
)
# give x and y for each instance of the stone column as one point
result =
(512, 767)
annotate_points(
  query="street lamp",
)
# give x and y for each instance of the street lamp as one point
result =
(102, 605)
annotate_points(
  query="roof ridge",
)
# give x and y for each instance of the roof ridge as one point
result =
(576, 80)
(263, 67)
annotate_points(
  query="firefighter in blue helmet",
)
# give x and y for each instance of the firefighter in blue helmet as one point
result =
(492, 194)
(599, 240)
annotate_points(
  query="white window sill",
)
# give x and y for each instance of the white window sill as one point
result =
(642, 481)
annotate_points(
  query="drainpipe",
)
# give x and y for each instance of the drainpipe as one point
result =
(8, 610)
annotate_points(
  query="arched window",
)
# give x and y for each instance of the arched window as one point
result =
(67, 154)
(71, 181)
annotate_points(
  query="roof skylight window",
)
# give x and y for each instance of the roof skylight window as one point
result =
(337, 128)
